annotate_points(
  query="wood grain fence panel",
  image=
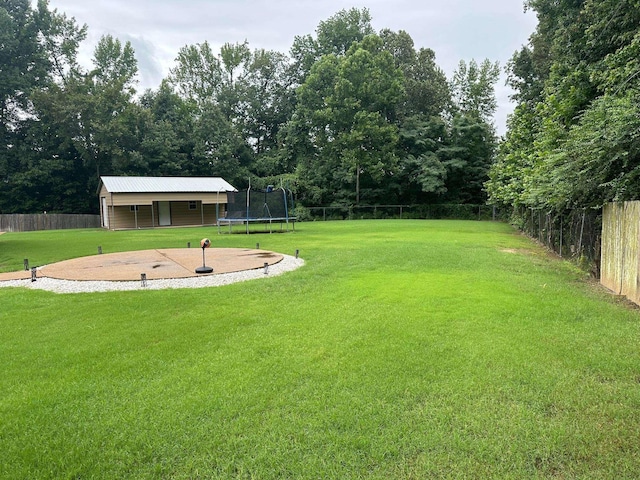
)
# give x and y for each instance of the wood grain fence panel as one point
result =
(609, 248)
(620, 261)
(46, 221)
(631, 251)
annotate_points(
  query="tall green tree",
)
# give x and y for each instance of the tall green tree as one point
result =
(268, 100)
(472, 143)
(468, 157)
(24, 62)
(167, 126)
(346, 110)
(473, 89)
(252, 90)
(577, 83)
(23, 67)
(421, 174)
(197, 75)
(93, 116)
(61, 37)
(427, 91)
(422, 171)
(334, 36)
(37, 165)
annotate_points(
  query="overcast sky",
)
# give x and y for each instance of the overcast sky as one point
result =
(455, 29)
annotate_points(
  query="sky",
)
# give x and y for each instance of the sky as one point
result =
(454, 29)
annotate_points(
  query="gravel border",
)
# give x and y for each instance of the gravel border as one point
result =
(287, 264)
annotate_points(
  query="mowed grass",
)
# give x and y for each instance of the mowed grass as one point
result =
(402, 349)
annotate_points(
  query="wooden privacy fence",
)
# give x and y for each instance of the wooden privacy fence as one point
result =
(46, 221)
(620, 264)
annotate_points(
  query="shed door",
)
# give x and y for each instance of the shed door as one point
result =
(164, 214)
(105, 213)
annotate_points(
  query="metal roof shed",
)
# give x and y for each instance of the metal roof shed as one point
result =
(149, 202)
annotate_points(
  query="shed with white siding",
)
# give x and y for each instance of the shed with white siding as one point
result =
(149, 202)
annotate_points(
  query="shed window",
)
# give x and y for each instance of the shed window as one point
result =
(134, 208)
(193, 205)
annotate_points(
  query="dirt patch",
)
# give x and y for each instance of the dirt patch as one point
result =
(517, 251)
(531, 252)
(22, 275)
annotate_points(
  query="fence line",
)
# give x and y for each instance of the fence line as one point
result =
(435, 211)
(575, 235)
(19, 222)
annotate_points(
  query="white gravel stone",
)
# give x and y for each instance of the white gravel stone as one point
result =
(287, 264)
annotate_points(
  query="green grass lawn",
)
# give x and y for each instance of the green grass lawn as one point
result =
(402, 349)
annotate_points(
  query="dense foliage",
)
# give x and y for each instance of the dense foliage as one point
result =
(351, 116)
(574, 138)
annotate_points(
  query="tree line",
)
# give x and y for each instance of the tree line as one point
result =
(573, 141)
(349, 116)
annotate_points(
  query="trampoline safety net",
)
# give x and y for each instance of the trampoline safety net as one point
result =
(255, 205)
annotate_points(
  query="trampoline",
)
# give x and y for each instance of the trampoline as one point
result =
(270, 206)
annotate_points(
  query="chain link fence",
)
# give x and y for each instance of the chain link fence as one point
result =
(362, 212)
(575, 235)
